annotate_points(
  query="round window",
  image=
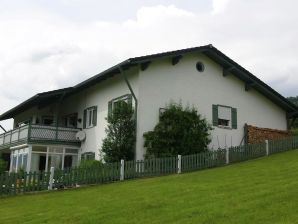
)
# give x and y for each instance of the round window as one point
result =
(200, 66)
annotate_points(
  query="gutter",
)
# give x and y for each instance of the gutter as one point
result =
(136, 102)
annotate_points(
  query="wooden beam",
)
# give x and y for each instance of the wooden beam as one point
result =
(145, 65)
(226, 71)
(176, 59)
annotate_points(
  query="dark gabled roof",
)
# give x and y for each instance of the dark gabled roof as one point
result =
(210, 51)
(39, 99)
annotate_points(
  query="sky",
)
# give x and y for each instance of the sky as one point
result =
(46, 45)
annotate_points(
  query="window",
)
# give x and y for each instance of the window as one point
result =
(88, 156)
(224, 116)
(47, 120)
(23, 123)
(161, 111)
(118, 101)
(70, 120)
(200, 66)
(90, 117)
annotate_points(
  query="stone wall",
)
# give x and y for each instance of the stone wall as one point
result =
(257, 134)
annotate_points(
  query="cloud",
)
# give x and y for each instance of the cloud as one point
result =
(219, 6)
(43, 50)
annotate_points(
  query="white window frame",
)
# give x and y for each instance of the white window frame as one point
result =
(90, 117)
(229, 126)
(122, 98)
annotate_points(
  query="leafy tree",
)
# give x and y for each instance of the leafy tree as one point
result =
(179, 131)
(294, 100)
(3, 165)
(120, 140)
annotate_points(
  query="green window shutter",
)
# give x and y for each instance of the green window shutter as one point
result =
(110, 108)
(85, 118)
(95, 116)
(234, 118)
(215, 115)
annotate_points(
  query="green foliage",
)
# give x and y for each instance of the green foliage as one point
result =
(120, 140)
(90, 164)
(3, 165)
(262, 191)
(294, 132)
(294, 100)
(179, 131)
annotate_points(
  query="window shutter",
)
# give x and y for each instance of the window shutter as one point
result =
(234, 118)
(94, 116)
(85, 119)
(215, 115)
(110, 108)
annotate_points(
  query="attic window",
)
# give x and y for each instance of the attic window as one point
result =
(200, 66)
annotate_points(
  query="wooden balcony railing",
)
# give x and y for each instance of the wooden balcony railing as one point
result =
(32, 133)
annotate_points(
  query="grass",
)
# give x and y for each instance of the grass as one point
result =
(259, 191)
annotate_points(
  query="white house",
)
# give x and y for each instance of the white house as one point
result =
(45, 126)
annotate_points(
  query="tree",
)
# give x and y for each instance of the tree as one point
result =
(120, 140)
(294, 100)
(179, 131)
(3, 165)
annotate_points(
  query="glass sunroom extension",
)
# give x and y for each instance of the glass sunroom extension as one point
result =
(35, 147)
(40, 158)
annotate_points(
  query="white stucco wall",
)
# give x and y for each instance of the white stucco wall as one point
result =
(162, 82)
(99, 95)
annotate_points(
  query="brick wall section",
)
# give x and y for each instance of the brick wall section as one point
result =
(257, 135)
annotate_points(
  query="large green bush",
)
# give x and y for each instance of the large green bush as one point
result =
(179, 131)
(3, 165)
(120, 140)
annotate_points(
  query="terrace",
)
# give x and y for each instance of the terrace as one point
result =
(39, 134)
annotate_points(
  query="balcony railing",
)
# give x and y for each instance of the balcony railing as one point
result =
(39, 134)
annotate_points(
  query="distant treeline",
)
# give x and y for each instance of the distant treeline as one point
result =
(294, 99)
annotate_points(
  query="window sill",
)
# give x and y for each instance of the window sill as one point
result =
(89, 127)
(224, 127)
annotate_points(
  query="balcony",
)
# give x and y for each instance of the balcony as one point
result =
(39, 134)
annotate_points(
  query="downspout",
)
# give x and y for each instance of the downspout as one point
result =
(136, 103)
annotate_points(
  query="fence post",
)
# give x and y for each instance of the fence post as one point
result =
(267, 147)
(179, 164)
(227, 156)
(51, 180)
(122, 169)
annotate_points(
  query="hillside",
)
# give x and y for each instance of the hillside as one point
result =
(259, 191)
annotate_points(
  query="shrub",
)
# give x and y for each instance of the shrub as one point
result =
(294, 132)
(90, 164)
(179, 131)
(3, 165)
(120, 140)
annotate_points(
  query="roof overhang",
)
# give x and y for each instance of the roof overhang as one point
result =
(40, 100)
(229, 67)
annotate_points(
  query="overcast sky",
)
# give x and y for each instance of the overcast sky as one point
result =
(45, 45)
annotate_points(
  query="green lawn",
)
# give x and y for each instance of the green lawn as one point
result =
(259, 191)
